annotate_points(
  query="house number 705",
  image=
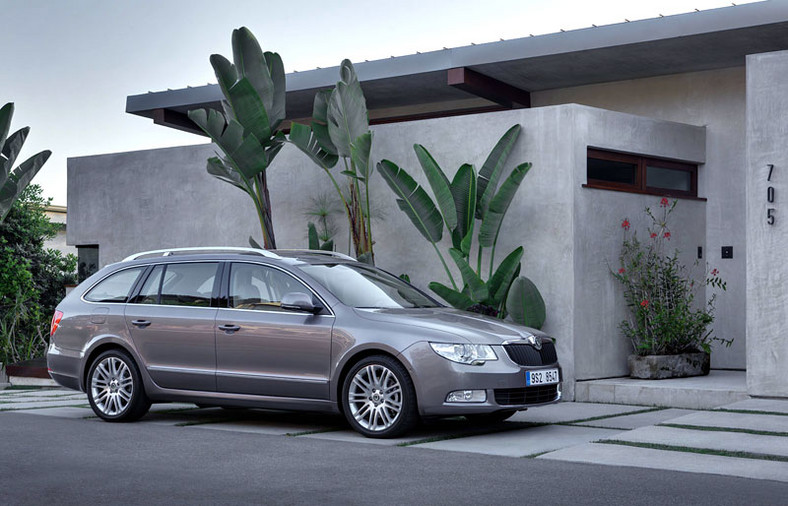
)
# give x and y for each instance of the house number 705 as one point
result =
(770, 197)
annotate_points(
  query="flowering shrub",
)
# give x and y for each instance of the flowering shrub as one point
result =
(660, 293)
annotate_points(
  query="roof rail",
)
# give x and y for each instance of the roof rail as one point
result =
(198, 250)
(334, 254)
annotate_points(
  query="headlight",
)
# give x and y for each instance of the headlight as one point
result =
(473, 354)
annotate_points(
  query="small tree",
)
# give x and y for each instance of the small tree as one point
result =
(246, 132)
(14, 180)
(32, 278)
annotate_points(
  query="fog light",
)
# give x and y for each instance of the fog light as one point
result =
(467, 396)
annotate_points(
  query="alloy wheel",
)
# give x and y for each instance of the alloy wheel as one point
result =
(112, 386)
(375, 397)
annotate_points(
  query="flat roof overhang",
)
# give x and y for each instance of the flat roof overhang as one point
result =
(500, 75)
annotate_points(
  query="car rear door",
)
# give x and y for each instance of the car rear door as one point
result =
(172, 324)
(262, 349)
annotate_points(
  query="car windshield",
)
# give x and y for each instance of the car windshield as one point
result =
(362, 286)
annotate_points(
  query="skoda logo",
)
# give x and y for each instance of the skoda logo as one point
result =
(535, 342)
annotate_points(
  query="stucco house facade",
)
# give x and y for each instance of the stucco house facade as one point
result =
(693, 106)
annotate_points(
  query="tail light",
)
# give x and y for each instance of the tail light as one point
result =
(55, 322)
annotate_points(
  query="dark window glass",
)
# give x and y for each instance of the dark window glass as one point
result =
(87, 261)
(260, 287)
(188, 284)
(670, 179)
(115, 287)
(149, 293)
(613, 171)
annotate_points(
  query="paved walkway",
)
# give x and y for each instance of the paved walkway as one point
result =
(748, 438)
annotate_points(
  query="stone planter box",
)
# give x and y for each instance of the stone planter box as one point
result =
(668, 366)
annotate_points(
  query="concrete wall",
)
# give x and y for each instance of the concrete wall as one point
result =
(714, 99)
(164, 198)
(767, 270)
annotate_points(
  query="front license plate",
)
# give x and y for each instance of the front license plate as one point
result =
(543, 377)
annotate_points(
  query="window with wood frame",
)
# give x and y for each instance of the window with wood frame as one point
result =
(640, 174)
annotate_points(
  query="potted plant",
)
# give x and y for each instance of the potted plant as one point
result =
(667, 325)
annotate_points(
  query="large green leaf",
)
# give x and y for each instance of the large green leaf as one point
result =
(347, 111)
(218, 169)
(249, 110)
(6, 113)
(493, 218)
(320, 121)
(304, 139)
(453, 297)
(18, 180)
(500, 281)
(478, 288)
(314, 241)
(243, 150)
(463, 190)
(440, 185)
(525, 304)
(250, 63)
(490, 172)
(225, 71)
(10, 150)
(359, 154)
(276, 70)
(413, 200)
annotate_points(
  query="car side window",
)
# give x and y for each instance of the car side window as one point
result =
(115, 287)
(149, 293)
(188, 284)
(254, 286)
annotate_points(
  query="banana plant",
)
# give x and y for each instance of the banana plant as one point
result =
(246, 128)
(340, 130)
(14, 180)
(458, 204)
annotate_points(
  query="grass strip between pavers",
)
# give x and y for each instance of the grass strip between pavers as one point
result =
(310, 432)
(701, 451)
(480, 432)
(44, 407)
(724, 429)
(207, 422)
(605, 417)
(747, 412)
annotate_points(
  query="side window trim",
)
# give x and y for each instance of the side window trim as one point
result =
(135, 291)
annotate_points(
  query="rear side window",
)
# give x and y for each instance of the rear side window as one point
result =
(116, 287)
(188, 284)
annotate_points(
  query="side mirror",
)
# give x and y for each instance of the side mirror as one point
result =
(299, 301)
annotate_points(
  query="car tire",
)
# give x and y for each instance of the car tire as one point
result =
(378, 398)
(489, 418)
(115, 389)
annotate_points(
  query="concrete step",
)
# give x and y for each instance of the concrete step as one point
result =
(702, 392)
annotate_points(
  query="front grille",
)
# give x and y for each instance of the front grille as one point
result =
(525, 354)
(529, 395)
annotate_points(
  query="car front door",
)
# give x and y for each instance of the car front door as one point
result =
(262, 349)
(173, 324)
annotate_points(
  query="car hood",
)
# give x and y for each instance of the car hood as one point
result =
(476, 328)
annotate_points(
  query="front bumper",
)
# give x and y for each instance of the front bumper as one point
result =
(503, 380)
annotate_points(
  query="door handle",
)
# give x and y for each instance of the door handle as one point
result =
(140, 323)
(229, 328)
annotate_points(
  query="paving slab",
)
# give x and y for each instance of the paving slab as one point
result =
(21, 400)
(747, 421)
(628, 456)
(262, 427)
(49, 392)
(772, 405)
(452, 427)
(639, 419)
(571, 411)
(173, 406)
(42, 404)
(708, 440)
(67, 412)
(523, 442)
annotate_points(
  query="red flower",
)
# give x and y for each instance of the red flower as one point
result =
(664, 202)
(666, 235)
(653, 235)
(622, 270)
(644, 303)
(714, 272)
(625, 224)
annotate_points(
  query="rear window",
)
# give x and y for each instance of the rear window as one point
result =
(116, 287)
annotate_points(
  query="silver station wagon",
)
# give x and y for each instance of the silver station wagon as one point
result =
(292, 330)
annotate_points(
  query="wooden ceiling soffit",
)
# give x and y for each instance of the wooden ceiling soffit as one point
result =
(177, 120)
(488, 88)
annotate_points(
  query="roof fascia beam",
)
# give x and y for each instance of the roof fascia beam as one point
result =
(488, 88)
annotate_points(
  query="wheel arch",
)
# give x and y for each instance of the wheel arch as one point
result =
(97, 350)
(355, 359)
